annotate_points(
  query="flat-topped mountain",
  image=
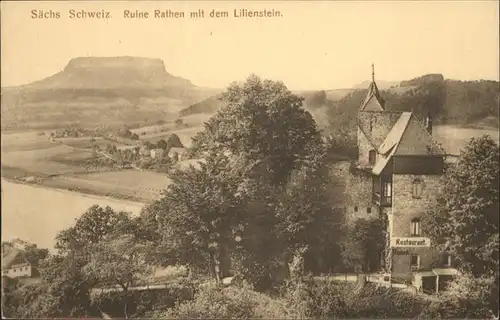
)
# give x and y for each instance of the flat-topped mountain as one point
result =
(92, 91)
(111, 72)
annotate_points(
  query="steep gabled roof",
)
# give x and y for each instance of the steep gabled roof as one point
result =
(394, 136)
(417, 141)
(407, 137)
(373, 100)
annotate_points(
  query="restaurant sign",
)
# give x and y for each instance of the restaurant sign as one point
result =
(412, 242)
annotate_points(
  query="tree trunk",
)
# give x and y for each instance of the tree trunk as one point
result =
(212, 268)
(125, 307)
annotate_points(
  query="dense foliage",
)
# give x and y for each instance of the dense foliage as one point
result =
(465, 220)
(259, 208)
(362, 244)
(260, 193)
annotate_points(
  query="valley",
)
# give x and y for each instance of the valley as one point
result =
(82, 129)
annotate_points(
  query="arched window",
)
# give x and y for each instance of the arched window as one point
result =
(417, 188)
(372, 157)
(415, 227)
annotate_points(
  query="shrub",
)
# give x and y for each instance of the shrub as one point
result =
(466, 297)
(144, 303)
(316, 299)
(381, 303)
(216, 302)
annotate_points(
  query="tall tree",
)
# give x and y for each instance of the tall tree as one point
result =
(65, 288)
(260, 194)
(263, 121)
(465, 220)
(90, 228)
(196, 215)
(118, 259)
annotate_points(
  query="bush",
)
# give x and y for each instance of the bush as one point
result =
(466, 297)
(372, 302)
(143, 303)
(316, 299)
(328, 299)
(216, 302)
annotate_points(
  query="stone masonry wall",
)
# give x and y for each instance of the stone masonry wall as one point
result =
(364, 147)
(352, 191)
(405, 208)
(377, 124)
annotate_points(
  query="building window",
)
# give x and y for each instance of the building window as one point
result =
(355, 209)
(372, 157)
(447, 260)
(414, 261)
(415, 227)
(369, 210)
(386, 189)
(417, 188)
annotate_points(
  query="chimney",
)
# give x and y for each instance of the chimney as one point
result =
(428, 123)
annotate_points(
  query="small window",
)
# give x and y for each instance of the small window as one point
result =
(447, 260)
(414, 261)
(417, 188)
(15, 270)
(355, 209)
(369, 210)
(372, 157)
(415, 227)
(386, 189)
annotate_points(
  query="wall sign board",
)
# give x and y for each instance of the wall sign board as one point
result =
(410, 242)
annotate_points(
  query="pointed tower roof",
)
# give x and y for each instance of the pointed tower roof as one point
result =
(373, 100)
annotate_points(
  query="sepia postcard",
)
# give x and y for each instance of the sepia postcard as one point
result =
(250, 159)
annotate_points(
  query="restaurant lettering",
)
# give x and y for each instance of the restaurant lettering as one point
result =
(410, 242)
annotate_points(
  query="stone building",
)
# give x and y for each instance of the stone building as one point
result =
(397, 174)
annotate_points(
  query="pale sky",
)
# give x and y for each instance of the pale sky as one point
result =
(315, 45)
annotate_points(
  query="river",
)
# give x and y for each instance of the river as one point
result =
(36, 214)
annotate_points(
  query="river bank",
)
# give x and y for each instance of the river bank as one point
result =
(36, 213)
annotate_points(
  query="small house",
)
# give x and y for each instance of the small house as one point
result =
(144, 151)
(157, 153)
(15, 264)
(176, 153)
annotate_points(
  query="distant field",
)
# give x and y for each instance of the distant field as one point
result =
(185, 135)
(153, 129)
(24, 141)
(43, 162)
(131, 184)
(454, 138)
(197, 119)
(86, 142)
